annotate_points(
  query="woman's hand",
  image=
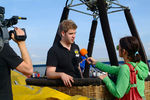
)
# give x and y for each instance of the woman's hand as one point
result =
(103, 76)
(91, 60)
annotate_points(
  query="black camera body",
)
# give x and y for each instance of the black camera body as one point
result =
(18, 37)
(5, 36)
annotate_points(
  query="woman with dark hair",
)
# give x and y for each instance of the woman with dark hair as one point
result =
(128, 50)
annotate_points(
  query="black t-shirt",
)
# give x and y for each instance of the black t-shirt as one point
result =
(65, 61)
(8, 60)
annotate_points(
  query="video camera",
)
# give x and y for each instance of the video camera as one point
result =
(5, 36)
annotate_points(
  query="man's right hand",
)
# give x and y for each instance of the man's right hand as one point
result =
(67, 79)
(19, 32)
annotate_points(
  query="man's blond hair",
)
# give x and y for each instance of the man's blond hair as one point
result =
(65, 25)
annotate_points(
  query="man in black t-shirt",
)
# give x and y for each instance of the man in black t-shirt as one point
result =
(63, 57)
(10, 60)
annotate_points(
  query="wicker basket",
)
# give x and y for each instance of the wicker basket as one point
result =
(96, 92)
(93, 92)
(147, 90)
(89, 87)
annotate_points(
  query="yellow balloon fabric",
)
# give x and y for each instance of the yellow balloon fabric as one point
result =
(17, 78)
(21, 91)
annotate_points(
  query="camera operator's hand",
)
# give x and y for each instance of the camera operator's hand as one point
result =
(19, 32)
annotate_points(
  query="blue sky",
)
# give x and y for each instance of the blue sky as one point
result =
(43, 17)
